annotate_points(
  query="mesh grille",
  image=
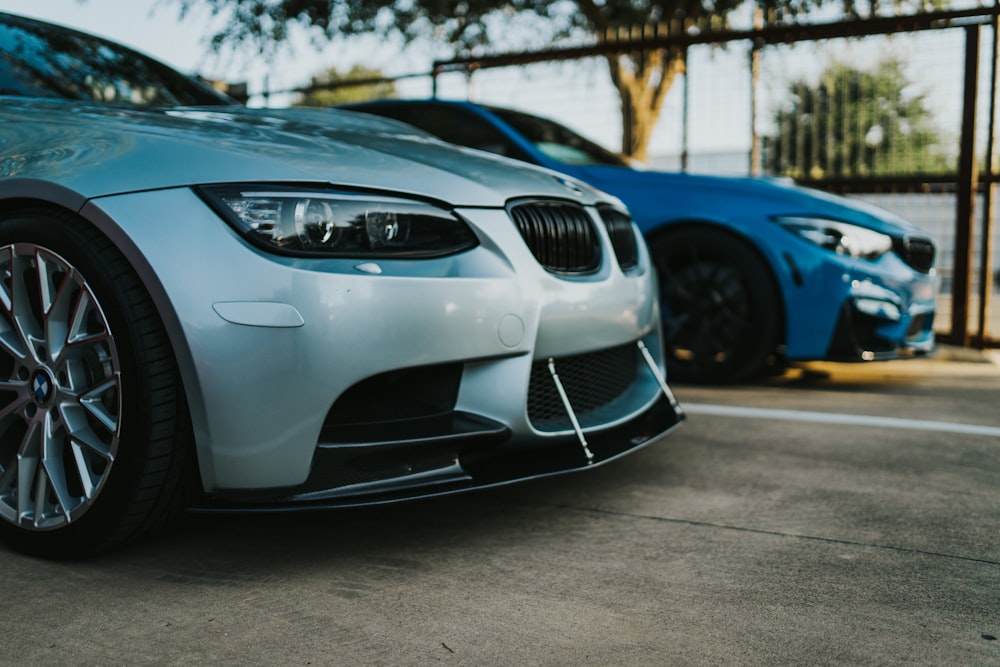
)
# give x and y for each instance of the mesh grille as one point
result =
(592, 382)
(622, 237)
(916, 251)
(559, 234)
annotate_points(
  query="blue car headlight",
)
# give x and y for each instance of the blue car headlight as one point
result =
(331, 223)
(840, 237)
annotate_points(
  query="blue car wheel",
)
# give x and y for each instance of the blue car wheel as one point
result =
(720, 306)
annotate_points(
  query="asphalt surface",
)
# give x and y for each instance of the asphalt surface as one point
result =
(835, 515)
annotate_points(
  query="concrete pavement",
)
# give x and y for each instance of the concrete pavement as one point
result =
(739, 540)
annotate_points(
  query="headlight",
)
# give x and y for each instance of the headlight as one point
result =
(339, 224)
(840, 237)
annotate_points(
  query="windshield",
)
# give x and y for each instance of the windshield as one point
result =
(558, 142)
(42, 60)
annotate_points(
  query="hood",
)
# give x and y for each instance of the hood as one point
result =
(648, 193)
(99, 150)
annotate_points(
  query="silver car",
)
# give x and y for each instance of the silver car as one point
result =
(213, 306)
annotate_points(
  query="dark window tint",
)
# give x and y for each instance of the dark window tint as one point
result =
(41, 60)
(556, 141)
(453, 124)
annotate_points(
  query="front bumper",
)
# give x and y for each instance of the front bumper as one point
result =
(843, 309)
(319, 380)
(451, 453)
(877, 323)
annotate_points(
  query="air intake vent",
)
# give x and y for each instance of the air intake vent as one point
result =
(559, 234)
(622, 237)
(592, 382)
(916, 251)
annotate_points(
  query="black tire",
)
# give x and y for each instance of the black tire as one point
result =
(83, 356)
(720, 307)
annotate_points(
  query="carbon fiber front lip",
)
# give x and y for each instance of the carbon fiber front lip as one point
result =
(471, 465)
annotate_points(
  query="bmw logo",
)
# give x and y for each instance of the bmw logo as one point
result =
(570, 185)
(41, 386)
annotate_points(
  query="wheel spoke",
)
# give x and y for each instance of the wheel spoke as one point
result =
(716, 278)
(11, 340)
(75, 372)
(52, 280)
(55, 472)
(80, 432)
(8, 478)
(730, 320)
(55, 297)
(87, 324)
(6, 279)
(23, 317)
(27, 468)
(93, 402)
(676, 327)
(26, 472)
(88, 479)
(37, 512)
(19, 392)
(673, 288)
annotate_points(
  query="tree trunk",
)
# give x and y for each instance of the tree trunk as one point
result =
(642, 78)
(642, 81)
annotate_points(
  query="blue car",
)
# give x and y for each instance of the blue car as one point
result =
(753, 273)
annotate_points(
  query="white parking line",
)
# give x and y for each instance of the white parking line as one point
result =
(835, 418)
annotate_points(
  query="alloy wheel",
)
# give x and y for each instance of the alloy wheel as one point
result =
(60, 393)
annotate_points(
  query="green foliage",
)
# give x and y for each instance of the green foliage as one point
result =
(470, 23)
(333, 87)
(855, 123)
(267, 23)
(462, 25)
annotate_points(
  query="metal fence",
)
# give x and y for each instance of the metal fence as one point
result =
(725, 114)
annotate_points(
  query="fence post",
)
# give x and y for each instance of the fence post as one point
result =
(755, 58)
(989, 163)
(685, 112)
(968, 178)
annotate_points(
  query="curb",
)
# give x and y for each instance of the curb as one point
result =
(954, 353)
